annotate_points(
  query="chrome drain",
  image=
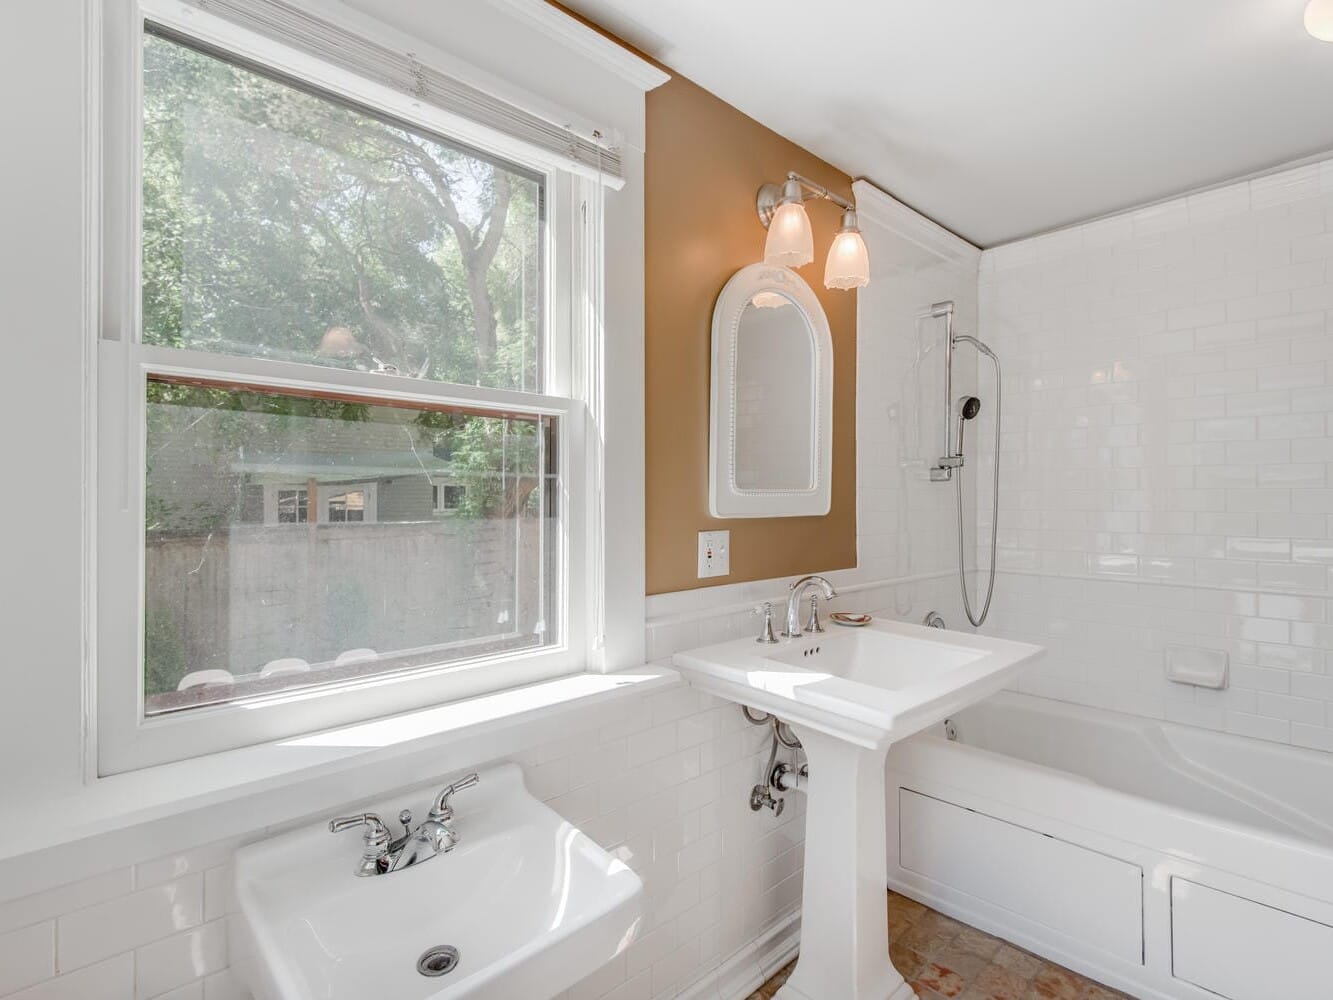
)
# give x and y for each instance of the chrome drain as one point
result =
(438, 961)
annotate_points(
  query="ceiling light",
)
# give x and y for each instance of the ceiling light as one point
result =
(1319, 19)
(791, 241)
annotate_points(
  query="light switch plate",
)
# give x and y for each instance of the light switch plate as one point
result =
(714, 553)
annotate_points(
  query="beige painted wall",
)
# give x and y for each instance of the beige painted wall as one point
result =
(704, 162)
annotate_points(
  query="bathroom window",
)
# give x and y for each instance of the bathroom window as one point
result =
(338, 448)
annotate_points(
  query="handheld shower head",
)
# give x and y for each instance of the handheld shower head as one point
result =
(968, 408)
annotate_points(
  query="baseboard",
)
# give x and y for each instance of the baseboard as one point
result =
(751, 965)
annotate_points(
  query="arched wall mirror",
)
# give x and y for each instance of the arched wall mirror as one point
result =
(771, 426)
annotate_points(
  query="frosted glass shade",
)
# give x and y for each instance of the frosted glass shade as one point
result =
(790, 241)
(1319, 19)
(848, 263)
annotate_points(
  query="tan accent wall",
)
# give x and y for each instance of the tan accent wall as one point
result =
(704, 163)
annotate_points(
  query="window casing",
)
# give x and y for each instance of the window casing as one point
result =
(129, 734)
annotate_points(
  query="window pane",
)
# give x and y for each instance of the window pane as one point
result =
(294, 540)
(286, 224)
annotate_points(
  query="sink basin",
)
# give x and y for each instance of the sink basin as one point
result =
(871, 686)
(529, 902)
(849, 694)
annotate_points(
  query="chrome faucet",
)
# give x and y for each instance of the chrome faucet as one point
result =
(381, 855)
(794, 596)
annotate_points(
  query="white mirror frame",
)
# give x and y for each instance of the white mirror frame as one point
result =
(725, 498)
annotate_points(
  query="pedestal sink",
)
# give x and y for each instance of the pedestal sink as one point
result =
(525, 905)
(849, 694)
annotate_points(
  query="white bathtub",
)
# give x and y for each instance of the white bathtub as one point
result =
(1163, 860)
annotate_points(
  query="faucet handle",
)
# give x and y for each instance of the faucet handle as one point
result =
(813, 624)
(442, 810)
(766, 632)
(376, 828)
(374, 845)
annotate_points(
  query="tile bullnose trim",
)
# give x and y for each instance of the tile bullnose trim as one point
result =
(751, 965)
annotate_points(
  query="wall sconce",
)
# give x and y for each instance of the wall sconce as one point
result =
(791, 241)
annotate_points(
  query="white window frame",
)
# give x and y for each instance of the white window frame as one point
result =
(121, 738)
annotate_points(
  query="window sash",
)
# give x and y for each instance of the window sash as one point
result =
(121, 737)
(346, 98)
(127, 738)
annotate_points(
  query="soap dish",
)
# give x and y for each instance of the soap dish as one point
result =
(850, 619)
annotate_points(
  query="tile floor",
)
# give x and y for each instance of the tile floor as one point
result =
(947, 960)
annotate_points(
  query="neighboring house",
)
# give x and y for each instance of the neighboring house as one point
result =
(230, 534)
(333, 472)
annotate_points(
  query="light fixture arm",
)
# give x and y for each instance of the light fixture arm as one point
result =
(770, 196)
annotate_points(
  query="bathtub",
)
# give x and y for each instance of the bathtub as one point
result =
(1163, 860)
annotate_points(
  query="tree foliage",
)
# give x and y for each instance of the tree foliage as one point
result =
(286, 224)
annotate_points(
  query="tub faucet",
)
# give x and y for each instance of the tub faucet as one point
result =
(794, 596)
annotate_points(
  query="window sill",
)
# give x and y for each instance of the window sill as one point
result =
(142, 815)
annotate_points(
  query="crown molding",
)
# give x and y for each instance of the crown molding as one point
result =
(573, 34)
(876, 206)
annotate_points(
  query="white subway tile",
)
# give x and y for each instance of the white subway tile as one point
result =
(64, 899)
(1260, 727)
(97, 932)
(176, 866)
(109, 980)
(180, 959)
(224, 986)
(27, 956)
(190, 991)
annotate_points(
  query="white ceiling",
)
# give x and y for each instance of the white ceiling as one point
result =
(1002, 118)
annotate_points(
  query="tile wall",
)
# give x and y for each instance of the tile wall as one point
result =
(1167, 453)
(906, 524)
(662, 781)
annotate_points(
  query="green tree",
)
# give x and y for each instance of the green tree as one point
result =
(273, 214)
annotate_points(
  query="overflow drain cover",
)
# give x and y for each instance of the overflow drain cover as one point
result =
(438, 961)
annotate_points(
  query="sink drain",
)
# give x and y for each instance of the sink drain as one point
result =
(438, 961)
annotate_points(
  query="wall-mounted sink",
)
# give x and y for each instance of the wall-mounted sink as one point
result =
(849, 694)
(524, 905)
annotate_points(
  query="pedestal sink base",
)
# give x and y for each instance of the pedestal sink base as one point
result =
(849, 696)
(844, 916)
(903, 992)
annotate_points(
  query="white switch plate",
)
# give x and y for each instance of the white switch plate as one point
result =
(714, 553)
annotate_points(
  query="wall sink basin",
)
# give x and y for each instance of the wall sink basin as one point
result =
(871, 686)
(849, 694)
(530, 904)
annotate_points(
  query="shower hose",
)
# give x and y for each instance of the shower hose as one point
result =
(976, 619)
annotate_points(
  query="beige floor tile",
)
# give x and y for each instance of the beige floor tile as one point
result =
(945, 959)
(1022, 962)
